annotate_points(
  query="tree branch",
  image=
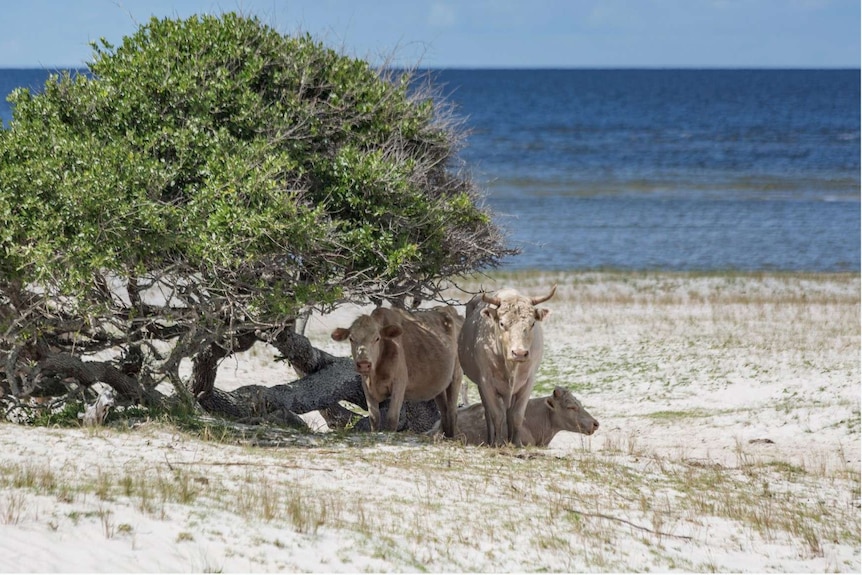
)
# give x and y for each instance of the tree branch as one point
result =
(91, 372)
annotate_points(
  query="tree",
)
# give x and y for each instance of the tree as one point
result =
(201, 187)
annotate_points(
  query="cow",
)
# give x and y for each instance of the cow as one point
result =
(500, 348)
(409, 356)
(543, 419)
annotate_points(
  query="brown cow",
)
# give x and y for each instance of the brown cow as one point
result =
(543, 419)
(409, 356)
(500, 348)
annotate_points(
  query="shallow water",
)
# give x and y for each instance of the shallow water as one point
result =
(672, 233)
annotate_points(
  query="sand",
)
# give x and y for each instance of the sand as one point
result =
(729, 441)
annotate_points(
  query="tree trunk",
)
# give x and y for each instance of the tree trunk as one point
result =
(251, 404)
(90, 372)
(205, 368)
(205, 363)
(335, 382)
(297, 349)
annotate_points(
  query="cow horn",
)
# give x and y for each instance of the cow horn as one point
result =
(538, 300)
(490, 299)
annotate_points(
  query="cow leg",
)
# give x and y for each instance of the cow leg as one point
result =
(442, 402)
(373, 406)
(452, 397)
(447, 403)
(515, 415)
(396, 400)
(493, 413)
(373, 413)
(497, 420)
(508, 401)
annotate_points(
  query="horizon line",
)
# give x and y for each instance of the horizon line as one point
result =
(539, 67)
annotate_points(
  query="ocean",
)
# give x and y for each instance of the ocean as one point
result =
(681, 170)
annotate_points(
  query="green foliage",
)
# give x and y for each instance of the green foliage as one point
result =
(258, 171)
(66, 416)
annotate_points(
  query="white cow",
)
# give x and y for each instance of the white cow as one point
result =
(500, 348)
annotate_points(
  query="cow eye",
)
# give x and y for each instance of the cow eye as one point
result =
(502, 324)
(376, 339)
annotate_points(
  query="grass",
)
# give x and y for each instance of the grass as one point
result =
(676, 415)
(585, 507)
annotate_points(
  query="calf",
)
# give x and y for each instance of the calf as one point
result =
(544, 418)
(409, 356)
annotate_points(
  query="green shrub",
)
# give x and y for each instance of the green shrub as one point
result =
(249, 168)
(211, 177)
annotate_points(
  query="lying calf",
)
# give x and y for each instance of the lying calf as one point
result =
(544, 418)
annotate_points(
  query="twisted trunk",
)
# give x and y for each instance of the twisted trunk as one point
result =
(91, 372)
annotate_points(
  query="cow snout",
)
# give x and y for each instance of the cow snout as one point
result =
(363, 366)
(593, 428)
(520, 354)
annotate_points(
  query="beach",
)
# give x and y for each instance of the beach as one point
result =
(729, 406)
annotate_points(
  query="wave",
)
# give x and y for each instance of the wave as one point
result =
(827, 188)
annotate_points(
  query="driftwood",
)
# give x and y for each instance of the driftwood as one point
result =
(95, 414)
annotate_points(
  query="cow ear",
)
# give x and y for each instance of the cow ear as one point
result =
(550, 403)
(340, 334)
(391, 331)
(490, 312)
(542, 313)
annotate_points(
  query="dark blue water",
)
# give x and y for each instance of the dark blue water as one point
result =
(669, 169)
(660, 169)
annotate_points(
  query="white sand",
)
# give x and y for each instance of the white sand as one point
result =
(688, 375)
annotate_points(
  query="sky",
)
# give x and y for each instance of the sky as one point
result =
(478, 33)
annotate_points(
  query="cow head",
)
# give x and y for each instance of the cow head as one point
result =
(568, 414)
(365, 335)
(514, 317)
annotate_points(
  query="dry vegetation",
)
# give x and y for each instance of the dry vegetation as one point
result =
(730, 441)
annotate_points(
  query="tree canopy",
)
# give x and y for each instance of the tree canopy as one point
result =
(211, 177)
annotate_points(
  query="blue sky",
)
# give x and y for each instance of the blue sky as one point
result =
(479, 33)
